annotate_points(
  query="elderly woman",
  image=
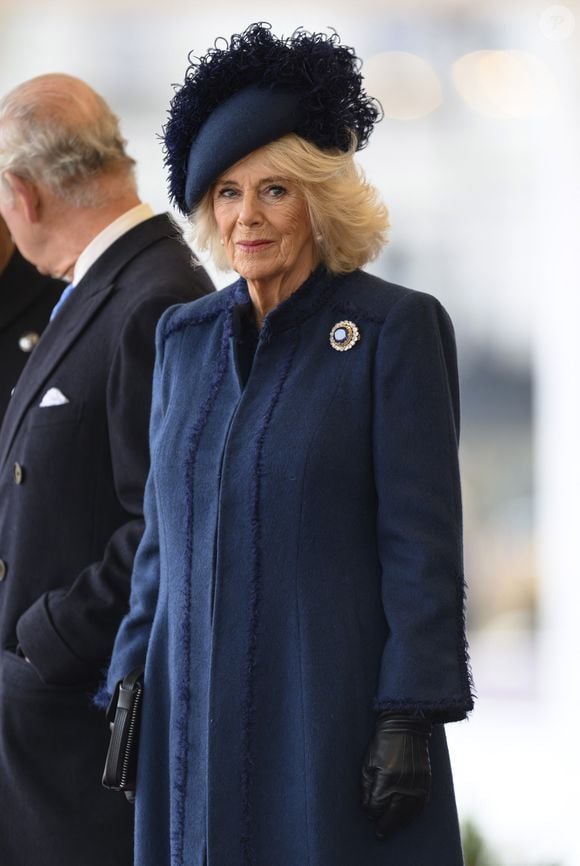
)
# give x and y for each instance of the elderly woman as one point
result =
(298, 593)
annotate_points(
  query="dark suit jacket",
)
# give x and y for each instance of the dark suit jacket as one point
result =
(26, 302)
(71, 516)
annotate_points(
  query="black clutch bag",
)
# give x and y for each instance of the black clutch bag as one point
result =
(124, 717)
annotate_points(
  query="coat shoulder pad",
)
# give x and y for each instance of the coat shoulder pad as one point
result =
(370, 298)
(197, 312)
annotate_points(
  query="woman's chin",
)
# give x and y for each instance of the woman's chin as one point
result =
(252, 271)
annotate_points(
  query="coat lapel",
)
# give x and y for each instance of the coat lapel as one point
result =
(88, 298)
(53, 346)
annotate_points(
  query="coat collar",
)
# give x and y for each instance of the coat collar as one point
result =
(116, 257)
(308, 298)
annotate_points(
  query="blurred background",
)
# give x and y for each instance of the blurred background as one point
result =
(478, 161)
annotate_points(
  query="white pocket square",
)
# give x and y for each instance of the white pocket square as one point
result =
(53, 397)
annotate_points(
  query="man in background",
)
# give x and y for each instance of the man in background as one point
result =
(73, 462)
(26, 302)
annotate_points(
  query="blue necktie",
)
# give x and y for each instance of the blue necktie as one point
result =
(66, 292)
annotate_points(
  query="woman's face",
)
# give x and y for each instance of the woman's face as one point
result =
(263, 222)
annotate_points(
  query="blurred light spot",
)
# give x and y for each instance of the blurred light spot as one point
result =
(505, 83)
(557, 23)
(405, 84)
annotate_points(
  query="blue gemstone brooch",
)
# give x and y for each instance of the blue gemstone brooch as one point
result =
(344, 335)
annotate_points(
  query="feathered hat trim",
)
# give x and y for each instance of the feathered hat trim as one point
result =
(252, 90)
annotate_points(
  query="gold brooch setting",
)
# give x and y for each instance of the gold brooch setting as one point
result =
(344, 335)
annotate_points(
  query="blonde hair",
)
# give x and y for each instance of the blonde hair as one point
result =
(349, 221)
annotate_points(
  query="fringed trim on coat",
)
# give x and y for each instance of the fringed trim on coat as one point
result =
(453, 708)
(184, 625)
(463, 648)
(440, 712)
(254, 616)
(182, 320)
(198, 312)
(102, 697)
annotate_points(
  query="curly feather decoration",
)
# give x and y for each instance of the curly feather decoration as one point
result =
(325, 73)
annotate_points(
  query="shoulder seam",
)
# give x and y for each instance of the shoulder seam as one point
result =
(353, 309)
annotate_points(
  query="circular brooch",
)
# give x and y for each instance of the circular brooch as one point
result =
(344, 335)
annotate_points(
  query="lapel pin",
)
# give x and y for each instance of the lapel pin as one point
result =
(28, 341)
(344, 335)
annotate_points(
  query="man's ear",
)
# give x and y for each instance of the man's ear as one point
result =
(25, 196)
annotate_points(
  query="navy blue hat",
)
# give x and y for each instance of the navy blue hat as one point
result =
(253, 90)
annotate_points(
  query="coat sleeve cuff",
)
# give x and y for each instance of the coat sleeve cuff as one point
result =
(54, 661)
(439, 712)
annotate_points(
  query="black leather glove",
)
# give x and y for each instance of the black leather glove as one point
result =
(396, 773)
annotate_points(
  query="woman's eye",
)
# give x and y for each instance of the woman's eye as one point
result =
(226, 192)
(276, 191)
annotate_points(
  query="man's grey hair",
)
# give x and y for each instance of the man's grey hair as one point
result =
(56, 130)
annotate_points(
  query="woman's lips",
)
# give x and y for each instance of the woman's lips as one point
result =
(252, 246)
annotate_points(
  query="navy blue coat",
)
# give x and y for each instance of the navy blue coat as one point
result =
(301, 567)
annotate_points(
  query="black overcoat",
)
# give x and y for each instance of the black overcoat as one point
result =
(71, 516)
(26, 302)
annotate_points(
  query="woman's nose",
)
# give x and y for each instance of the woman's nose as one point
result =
(249, 213)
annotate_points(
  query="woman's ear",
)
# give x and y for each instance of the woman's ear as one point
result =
(25, 197)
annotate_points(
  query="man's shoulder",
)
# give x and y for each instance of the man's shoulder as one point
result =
(149, 260)
(159, 260)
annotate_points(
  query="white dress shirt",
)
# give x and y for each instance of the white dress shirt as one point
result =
(108, 236)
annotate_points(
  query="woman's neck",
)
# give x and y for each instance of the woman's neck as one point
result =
(267, 294)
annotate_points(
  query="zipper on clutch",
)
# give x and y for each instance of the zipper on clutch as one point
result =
(130, 737)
